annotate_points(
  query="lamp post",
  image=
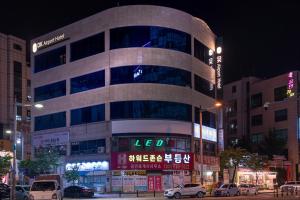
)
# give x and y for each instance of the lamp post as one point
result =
(13, 139)
(217, 105)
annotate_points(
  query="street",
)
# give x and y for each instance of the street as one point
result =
(160, 197)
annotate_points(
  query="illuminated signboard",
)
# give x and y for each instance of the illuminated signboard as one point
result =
(89, 166)
(46, 43)
(207, 132)
(218, 70)
(290, 87)
(152, 161)
(149, 142)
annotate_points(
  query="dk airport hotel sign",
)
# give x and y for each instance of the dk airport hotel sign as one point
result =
(46, 43)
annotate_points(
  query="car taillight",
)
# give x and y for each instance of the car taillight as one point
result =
(54, 196)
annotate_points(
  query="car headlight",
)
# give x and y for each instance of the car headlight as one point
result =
(54, 196)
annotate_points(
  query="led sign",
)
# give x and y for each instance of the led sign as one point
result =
(290, 87)
(149, 143)
(46, 43)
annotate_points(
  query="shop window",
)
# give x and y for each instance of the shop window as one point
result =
(280, 93)
(281, 115)
(87, 47)
(150, 74)
(150, 37)
(50, 59)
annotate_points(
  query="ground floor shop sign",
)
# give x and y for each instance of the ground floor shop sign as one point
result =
(152, 161)
(154, 183)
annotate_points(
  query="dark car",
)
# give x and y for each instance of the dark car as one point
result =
(4, 191)
(78, 191)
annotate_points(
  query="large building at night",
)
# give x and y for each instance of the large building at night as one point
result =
(121, 92)
(258, 109)
(14, 85)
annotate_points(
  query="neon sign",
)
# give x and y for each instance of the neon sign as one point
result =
(290, 87)
(149, 143)
(46, 43)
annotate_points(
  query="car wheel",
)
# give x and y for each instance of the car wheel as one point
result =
(199, 195)
(177, 195)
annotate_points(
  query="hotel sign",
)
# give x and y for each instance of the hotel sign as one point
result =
(152, 161)
(290, 87)
(46, 43)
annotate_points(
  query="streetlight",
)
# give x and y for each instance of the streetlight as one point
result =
(216, 105)
(14, 141)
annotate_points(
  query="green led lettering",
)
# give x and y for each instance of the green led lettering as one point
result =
(148, 143)
(137, 143)
(159, 143)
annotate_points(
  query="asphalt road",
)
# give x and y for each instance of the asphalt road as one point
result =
(263, 196)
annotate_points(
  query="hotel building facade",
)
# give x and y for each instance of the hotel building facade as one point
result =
(121, 92)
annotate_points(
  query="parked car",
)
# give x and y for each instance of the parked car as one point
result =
(21, 193)
(4, 191)
(186, 190)
(248, 189)
(227, 190)
(290, 186)
(78, 191)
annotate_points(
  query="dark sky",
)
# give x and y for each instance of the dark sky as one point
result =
(260, 38)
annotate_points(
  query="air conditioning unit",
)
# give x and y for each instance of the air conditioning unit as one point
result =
(101, 149)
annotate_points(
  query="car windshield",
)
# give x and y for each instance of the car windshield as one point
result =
(244, 186)
(224, 186)
(27, 188)
(43, 186)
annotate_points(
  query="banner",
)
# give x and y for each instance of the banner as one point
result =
(152, 161)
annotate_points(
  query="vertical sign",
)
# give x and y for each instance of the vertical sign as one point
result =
(158, 186)
(290, 87)
(218, 69)
(150, 183)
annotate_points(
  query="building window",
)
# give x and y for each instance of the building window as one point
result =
(87, 47)
(256, 120)
(87, 82)
(233, 89)
(281, 134)
(28, 83)
(208, 118)
(209, 149)
(150, 110)
(17, 47)
(281, 115)
(201, 51)
(55, 120)
(280, 93)
(150, 36)
(256, 100)
(18, 81)
(232, 126)
(50, 59)
(257, 138)
(204, 86)
(50, 91)
(88, 147)
(150, 74)
(88, 114)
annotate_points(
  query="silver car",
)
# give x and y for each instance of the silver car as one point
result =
(290, 186)
(248, 189)
(229, 189)
(187, 190)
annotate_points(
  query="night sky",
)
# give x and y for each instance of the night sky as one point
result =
(260, 38)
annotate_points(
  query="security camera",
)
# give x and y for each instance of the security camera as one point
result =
(266, 105)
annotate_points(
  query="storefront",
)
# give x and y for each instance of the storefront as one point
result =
(265, 179)
(94, 174)
(150, 171)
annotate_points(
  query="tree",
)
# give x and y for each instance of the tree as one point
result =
(233, 158)
(5, 163)
(72, 175)
(256, 163)
(45, 161)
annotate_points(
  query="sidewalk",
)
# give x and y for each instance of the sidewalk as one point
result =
(146, 195)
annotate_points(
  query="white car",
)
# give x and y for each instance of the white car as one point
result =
(186, 190)
(45, 189)
(228, 190)
(290, 186)
(248, 189)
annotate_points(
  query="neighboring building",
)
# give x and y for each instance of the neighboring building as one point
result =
(120, 91)
(257, 108)
(14, 83)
